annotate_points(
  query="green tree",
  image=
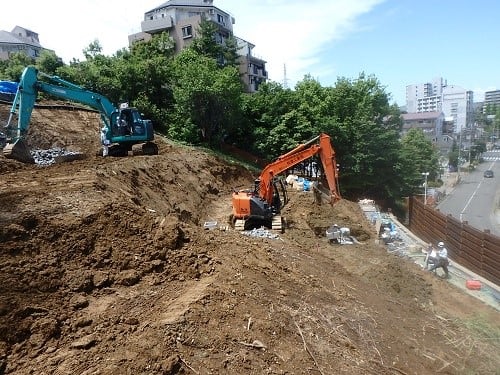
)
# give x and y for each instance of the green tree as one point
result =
(207, 99)
(264, 110)
(453, 156)
(293, 129)
(147, 72)
(313, 102)
(92, 50)
(48, 62)
(418, 155)
(230, 52)
(14, 67)
(139, 76)
(365, 136)
(205, 43)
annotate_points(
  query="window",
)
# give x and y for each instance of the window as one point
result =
(220, 19)
(187, 31)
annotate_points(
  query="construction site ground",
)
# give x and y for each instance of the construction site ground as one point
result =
(106, 268)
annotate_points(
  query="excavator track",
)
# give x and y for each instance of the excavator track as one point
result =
(277, 223)
(239, 225)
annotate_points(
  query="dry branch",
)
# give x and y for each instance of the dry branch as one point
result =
(255, 344)
(189, 367)
(306, 348)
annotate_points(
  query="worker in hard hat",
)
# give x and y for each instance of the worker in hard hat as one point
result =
(431, 257)
(442, 259)
(104, 141)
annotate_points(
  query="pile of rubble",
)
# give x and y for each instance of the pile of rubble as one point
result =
(390, 231)
(54, 155)
(261, 233)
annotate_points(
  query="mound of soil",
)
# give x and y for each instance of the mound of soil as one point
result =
(106, 268)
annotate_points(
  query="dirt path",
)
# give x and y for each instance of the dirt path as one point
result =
(107, 269)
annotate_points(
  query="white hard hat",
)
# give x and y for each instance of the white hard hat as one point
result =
(440, 244)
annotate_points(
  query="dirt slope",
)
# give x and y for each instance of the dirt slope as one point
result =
(106, 269)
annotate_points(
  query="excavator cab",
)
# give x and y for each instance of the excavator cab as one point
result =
(131, 132)
(251, 211)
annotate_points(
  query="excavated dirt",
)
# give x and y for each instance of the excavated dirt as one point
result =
(106, 268)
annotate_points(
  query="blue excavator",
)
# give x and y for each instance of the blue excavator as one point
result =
(123, 127)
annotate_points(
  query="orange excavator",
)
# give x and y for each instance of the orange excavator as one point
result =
(261, 206)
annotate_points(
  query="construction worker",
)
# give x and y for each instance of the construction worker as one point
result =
(442, 259)
(104, 142)
(431, 256)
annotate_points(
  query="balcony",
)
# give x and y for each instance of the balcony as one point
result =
(156, 25)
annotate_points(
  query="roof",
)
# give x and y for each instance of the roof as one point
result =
(7, 37)
(183, 3)
(25, 29)
(10, 38)
(421, 116)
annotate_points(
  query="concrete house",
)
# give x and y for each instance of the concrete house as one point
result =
(181, 19)
(19, 40)
(431, 123)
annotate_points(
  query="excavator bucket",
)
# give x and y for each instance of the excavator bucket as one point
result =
(322, 195)
(18, 151)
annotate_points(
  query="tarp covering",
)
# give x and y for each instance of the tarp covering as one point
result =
(8, 87)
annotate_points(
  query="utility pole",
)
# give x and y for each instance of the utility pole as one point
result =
(459, 150)
(425, 174)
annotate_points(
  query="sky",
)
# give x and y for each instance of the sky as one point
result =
(400, 42)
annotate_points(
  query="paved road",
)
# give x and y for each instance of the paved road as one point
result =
(476, 199)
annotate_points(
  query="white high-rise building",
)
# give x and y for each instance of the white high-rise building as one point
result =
(425, 97)
(458, 106)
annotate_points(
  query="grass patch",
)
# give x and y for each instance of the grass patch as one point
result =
(483, 329)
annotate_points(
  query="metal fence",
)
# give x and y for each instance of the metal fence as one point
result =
(476, 250)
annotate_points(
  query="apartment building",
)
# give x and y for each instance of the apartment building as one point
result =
(19, 40)
(181, 19)
(492, 98)
(437, 96)
(425, 97)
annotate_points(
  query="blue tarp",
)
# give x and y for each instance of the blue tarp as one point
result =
(307, 185)
(8, 87)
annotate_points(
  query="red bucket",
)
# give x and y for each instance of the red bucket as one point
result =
(473, 284)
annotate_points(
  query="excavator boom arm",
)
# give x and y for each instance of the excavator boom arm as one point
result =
(298, 155)
(29, 86)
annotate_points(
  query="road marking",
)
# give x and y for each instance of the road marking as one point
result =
(491, 158)
(470, 199)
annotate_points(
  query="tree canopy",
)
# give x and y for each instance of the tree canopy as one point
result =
(197, 97)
